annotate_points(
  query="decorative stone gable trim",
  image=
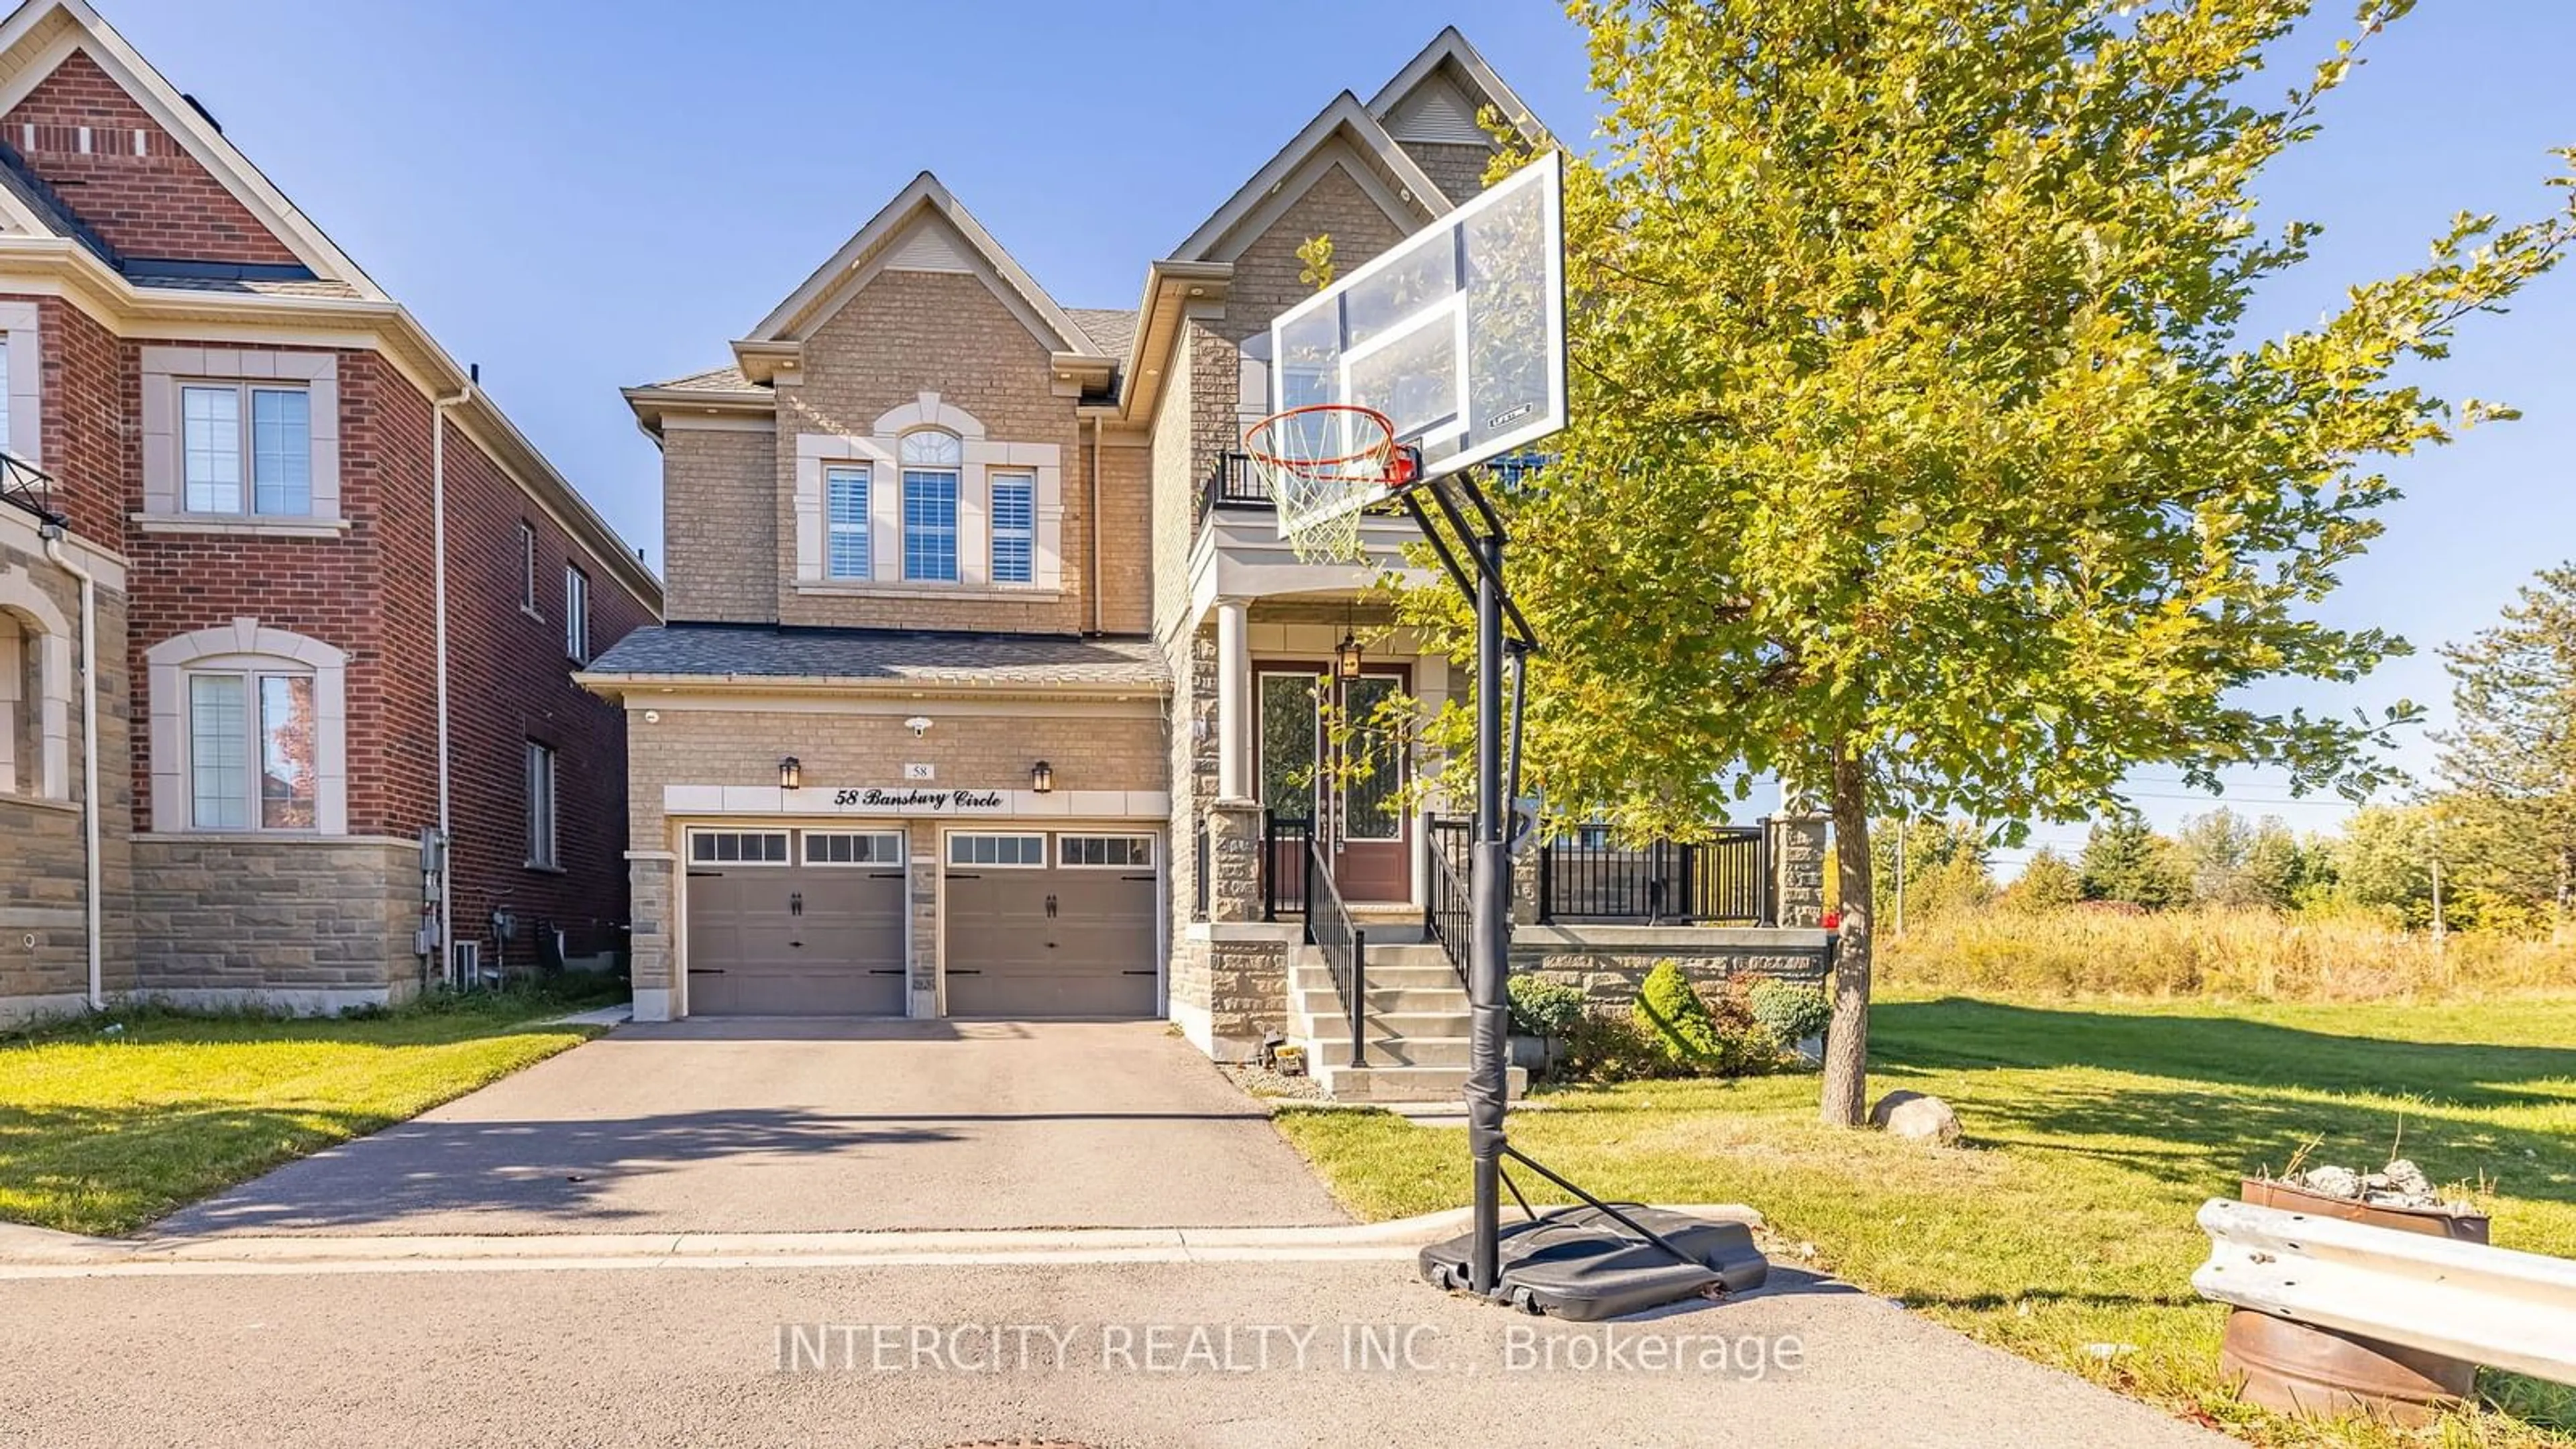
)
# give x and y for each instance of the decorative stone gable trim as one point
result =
(246, 644)
(983, 457)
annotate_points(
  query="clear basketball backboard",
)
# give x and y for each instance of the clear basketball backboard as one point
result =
(1456, 335)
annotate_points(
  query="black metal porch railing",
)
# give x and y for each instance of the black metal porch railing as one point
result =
(1448, 912)
(1722, 879)
(1233, 483)
(1331, 931)
(29, 487)
(1286, 863)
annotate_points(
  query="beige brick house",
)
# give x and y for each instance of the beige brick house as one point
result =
(988, 688)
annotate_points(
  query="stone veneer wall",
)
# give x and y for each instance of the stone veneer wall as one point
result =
(310, 924)
(1610, 962)
(44, 943)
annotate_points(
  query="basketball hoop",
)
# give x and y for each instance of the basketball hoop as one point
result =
(1324, 463)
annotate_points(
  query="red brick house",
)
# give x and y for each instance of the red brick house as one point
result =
(281, 591)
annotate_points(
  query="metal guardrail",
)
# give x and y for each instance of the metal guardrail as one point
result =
(1330, 930)
(1232, 483)
(1724, 878)
(1286, 863)
(1448, 912)
(2469, 1301)
(29, 487)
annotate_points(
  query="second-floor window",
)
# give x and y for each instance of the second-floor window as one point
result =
(846, 516)
(576, 615)
(246, 449)
(1015, 528)
(930, 463)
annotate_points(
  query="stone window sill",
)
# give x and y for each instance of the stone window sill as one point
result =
(261, 837)
(534, 868)
(241, 526)
(531, 612)
(967, 593)
(41, 802)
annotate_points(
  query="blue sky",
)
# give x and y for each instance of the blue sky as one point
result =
(581, 196)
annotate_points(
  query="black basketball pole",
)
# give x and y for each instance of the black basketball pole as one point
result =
(1489, 896)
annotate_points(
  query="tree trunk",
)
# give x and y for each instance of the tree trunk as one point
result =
(1846, 1100)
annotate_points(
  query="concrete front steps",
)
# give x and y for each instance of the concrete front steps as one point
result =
(1417, 1023)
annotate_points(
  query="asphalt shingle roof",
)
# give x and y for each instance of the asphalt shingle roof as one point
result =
(1112, 329)
(714, 379)
(894, 656)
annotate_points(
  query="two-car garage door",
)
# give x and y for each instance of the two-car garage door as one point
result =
(811, 922)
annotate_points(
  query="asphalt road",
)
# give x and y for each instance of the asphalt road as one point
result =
(1251, 1355)
(773, 1125)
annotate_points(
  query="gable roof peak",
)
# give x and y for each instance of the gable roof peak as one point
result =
(37, 38)
(1450, 53)
(924, 199)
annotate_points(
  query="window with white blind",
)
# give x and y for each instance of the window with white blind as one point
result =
(246, 449)
(845, 490)
(541, 806)
(576, 615)
(251, 750)
(1015, 528)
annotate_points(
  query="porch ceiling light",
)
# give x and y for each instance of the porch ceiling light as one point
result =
(1042, 778)
(791, 774)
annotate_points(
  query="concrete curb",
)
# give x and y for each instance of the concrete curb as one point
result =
(37, 1253)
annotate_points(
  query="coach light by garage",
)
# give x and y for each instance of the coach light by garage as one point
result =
(791, 774)
(1042, 778)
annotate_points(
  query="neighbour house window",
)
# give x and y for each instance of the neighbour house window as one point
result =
(576, 615)
(1015, 517)
(251, 751)
(846, 515)
(4, 393)
(527, 568)
(247, 449)
(541, 806)
(930, 463)
(1000, 850)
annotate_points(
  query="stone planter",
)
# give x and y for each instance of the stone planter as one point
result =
(1533, 1054)
(2293, 1368)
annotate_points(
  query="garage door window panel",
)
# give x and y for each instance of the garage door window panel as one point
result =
(1000, 852)
(839, 847)
(1105, 852)
(738, 847)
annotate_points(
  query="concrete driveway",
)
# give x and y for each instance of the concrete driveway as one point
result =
(790, 1125)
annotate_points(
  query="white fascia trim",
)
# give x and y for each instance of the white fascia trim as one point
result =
(172, 113)
(1345, 113)
(1453, 48)
(789, 318)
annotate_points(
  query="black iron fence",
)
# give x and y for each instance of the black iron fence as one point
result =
(1287, 862)
(1233, 483)
(1724, 878)
(29, 487)
(1344, 946)
(1448, 912)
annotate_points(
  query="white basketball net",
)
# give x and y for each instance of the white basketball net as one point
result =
(1322, 466)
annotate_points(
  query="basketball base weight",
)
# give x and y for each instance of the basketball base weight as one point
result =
(1581, 1264)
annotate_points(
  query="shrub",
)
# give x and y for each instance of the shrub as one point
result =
(1693, 1039)
(1543, 1007)
(1603, 1047)
(1789, 1011)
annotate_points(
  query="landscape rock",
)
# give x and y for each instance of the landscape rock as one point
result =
(1917, 1117)
(2331, 1181)
(2400, 1184)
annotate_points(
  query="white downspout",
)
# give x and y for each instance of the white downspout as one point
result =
(89, 753)
(438, 550)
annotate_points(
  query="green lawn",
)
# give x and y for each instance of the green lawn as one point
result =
(2096, 1131)
(103, 1133)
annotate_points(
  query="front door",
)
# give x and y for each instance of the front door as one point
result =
(1325, 757)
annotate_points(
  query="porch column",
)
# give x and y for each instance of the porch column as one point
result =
(1233, 700)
